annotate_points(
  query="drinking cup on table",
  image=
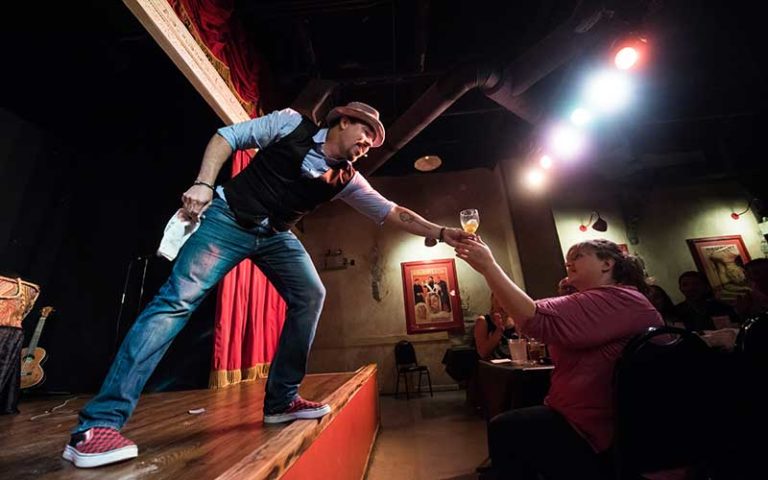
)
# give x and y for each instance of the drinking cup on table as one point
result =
(536, 350)
(518, 351)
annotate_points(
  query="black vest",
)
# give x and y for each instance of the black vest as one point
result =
(273, 186)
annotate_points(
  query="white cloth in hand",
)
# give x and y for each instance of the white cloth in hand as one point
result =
(177, 231)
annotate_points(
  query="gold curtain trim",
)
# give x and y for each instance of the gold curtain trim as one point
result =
(220, 66)
(225, 378)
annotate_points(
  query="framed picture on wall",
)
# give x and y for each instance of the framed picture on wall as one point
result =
(722, 260)
(431, 294)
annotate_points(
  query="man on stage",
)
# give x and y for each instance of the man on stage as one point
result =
(299, 166)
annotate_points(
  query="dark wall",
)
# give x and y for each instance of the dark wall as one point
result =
(99, 137)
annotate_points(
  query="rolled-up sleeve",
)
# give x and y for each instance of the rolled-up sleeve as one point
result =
(261, 132)
(360, 195)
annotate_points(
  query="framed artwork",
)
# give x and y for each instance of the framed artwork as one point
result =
(432, 301)
(722, 260)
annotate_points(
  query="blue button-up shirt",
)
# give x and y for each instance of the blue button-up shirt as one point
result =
(268, 129)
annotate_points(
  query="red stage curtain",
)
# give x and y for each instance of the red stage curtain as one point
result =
(250, 313)
(249, 318)
(226, 43)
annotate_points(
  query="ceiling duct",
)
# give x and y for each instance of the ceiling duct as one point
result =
(506, 86)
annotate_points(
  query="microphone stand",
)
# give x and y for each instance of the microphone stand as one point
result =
(145, 258)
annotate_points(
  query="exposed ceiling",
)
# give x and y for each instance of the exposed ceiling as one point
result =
(697, 111)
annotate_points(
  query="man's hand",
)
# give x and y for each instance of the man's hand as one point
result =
(196, 201)
(454, 236)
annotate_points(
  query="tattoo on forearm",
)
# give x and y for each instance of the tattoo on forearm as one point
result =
(407, 217)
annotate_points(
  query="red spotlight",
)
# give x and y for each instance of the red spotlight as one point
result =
(630, 52)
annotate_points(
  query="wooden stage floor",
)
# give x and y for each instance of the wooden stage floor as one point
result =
(228, 440)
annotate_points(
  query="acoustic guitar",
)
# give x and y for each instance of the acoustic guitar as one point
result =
(33, 356)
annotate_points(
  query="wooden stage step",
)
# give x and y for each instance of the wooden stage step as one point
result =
(228, 441)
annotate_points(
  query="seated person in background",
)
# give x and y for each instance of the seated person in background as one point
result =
(492, 331)
(700, 310)
(565, 288)
(661, 301)
(756, 301)
(570, 435)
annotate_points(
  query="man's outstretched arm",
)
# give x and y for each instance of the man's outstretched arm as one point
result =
(410, 221)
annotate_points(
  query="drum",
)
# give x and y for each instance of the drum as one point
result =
(17, 298)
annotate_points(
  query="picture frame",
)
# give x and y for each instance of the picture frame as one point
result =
(431, 294)
(721, 259)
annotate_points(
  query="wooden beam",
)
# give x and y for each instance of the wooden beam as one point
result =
(169, 32)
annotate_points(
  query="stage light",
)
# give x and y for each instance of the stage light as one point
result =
(581, 116)
(546, 162)
(630, 52)
(566, 142)
(608, 92)
(626, 58)
(534, 179)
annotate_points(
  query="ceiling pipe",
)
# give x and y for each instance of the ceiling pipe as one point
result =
(441, 95)
(505, 86)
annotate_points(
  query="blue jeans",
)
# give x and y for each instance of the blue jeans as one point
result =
(213, 250)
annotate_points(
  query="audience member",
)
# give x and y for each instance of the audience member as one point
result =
(492, 331)
(701, 310)
(570, 435)
(755, 301)
(660, 299)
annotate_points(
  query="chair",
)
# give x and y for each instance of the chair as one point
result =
(666, 399)
(752, 416)
(406, 363)
(752, 340)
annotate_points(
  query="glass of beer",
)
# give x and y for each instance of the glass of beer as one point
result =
(536, 351)
(470, 220)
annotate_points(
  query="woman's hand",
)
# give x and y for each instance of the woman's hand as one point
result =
(498, 321)
(475, 253)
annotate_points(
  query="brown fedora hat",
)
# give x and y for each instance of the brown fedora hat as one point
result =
(363, 112)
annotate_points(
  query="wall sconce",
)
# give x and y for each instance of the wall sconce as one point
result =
(736, 216)
(600, 224)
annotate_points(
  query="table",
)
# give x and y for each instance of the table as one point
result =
(503, 386)
(460, 362)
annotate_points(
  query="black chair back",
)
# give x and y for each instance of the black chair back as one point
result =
(752, 340)
(663, 398)
(752, 416)
(404, 353)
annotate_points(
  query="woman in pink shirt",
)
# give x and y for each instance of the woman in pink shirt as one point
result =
(569, 436)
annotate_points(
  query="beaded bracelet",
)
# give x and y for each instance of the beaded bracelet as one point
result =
(198, 182)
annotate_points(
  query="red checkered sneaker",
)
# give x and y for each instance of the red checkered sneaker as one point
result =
(298, 409)
(99, 446)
